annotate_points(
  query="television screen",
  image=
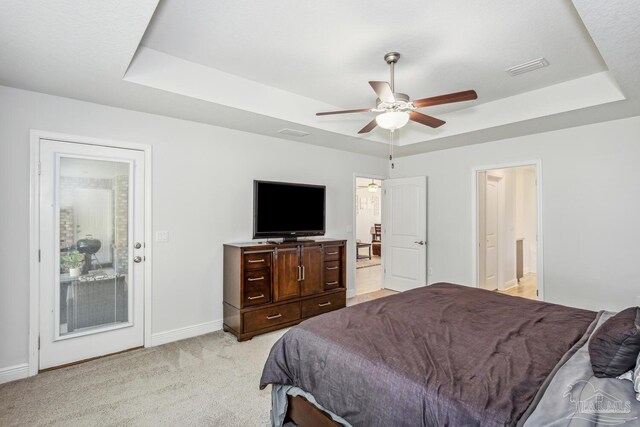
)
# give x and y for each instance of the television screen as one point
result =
(282, 209)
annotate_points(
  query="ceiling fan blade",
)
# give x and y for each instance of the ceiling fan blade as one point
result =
(369, 127)
(466, 95)
(383, 90)
(425, 120)
(359, 110)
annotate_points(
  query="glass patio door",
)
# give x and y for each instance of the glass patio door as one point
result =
(92, 250)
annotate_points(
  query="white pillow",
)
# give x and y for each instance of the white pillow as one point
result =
(626, 376)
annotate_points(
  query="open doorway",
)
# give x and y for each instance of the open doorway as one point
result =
(368, 234)
(507, 230)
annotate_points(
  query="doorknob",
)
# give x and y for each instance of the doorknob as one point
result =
(137, 259)
(421, 242)
(138, 245)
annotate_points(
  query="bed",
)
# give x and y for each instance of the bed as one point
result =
(442, 355)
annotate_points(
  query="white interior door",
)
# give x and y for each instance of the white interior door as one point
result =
(491, 234)
(91, 234)
(404, 233)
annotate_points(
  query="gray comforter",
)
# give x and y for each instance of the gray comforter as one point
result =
(576, 398)
(434, 356)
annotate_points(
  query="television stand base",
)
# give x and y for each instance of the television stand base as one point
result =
(289, 240)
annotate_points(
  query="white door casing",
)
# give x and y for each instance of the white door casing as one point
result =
(404, 233)
(58, 348)
(478, 175)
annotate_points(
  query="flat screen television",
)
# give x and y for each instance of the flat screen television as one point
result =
(288, 210)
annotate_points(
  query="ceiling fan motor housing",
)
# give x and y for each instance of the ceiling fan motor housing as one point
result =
(402, 103)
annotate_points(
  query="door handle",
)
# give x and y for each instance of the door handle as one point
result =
(255, 279)
(275, 316)
(299, 273)
(258, 297)
(138, 245)
(420, 242)
(137, 259)
(332, 268)
(324, 304)
(303, 272)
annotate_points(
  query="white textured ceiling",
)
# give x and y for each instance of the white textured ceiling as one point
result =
(329, 50)
(263, 66)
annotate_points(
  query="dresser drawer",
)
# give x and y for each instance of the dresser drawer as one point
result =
(322, 304)
(332, 253)
(332, 275)
(256, 261)
(271, 316)
(257, 287)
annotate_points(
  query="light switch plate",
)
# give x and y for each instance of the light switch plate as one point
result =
(162, 236)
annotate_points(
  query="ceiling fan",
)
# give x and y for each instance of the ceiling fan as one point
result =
(397, 109)
(372, 186)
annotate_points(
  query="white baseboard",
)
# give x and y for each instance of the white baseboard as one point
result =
(186, 332)
(351, 293)
(12, 373)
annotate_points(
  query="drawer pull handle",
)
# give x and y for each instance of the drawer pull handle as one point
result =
(332, 283)
(332, 253)
(253, 261)
(255, 279)
(332, 268)
(275, 316)
(324, 304)
(258, 297)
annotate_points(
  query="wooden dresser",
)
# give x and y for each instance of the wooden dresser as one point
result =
(268, 286)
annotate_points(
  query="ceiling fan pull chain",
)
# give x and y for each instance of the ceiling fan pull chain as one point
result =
(391, 148)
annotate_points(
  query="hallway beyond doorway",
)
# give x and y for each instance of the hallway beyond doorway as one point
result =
(527, 288)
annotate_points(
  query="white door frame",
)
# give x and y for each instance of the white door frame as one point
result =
(539, 220)
(352, 292)
(34, 232)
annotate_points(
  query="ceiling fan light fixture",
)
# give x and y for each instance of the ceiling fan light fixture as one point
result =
(373, 187)
(392, 120)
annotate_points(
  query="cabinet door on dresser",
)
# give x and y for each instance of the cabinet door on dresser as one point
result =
(287, 274)
(311, 270)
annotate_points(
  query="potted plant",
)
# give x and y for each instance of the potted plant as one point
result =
(72, 261)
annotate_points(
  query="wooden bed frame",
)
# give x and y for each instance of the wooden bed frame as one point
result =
(306, 414)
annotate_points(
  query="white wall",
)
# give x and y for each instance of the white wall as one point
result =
(202, 195)
(590, 202)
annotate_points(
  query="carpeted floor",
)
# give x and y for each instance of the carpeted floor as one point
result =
(210, 380)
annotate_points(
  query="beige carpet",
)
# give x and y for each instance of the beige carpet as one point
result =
(211, 380)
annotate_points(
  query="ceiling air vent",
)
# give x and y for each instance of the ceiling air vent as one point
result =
(293, 132)
(527, 66)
